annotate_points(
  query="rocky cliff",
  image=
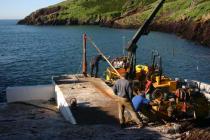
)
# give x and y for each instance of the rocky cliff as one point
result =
(189, 19)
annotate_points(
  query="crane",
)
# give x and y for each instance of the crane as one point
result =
(143, 30)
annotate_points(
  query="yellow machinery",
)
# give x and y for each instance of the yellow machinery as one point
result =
(174, 98)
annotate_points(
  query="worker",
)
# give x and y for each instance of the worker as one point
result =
(123, 90)
(139, 101)
(149, 88)
(143, 106)
(94, 64)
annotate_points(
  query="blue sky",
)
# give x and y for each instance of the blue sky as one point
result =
(18, 9)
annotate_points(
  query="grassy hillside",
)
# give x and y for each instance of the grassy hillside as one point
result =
(104, 10)
(85, 9)
(94, 8)
(172, 9)
(178, 16)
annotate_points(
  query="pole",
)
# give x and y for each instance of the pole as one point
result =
(99, 51)
(84, 60)
(123, 45)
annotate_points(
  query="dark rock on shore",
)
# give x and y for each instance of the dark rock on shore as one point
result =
(45, 16)
(198, 31)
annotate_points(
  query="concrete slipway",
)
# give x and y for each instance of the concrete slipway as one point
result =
(31, 112)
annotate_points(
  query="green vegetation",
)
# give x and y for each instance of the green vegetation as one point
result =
(190, 9)
(91, 9)
(122, 12)
(183, 17)
(173, 10)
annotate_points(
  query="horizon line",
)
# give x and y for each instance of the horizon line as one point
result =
(10, 19)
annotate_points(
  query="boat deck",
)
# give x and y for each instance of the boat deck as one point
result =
(95, 100)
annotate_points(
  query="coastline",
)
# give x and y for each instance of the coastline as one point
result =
(189, 20)
(196, 31)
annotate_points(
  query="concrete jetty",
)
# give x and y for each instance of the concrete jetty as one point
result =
(34, 111)
(95, 100)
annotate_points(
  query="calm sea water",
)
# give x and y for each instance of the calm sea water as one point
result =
(30, 55)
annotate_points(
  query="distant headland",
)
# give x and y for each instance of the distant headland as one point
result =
(188, 19)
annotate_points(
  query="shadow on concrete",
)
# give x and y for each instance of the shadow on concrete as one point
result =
(101, 125)
(86, 115)
(37, 124)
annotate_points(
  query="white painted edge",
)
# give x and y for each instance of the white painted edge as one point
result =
(63, 105)
(27, 93)
(205, 88)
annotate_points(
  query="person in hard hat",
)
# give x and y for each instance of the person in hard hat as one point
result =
(94, 64)
(123, 90)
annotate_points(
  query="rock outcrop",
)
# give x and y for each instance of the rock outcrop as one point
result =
(49, 16)
(197, 31)
(45, 16)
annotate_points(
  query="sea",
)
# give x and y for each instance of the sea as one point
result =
(31, 55)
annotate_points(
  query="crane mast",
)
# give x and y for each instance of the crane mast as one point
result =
(141, 31)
